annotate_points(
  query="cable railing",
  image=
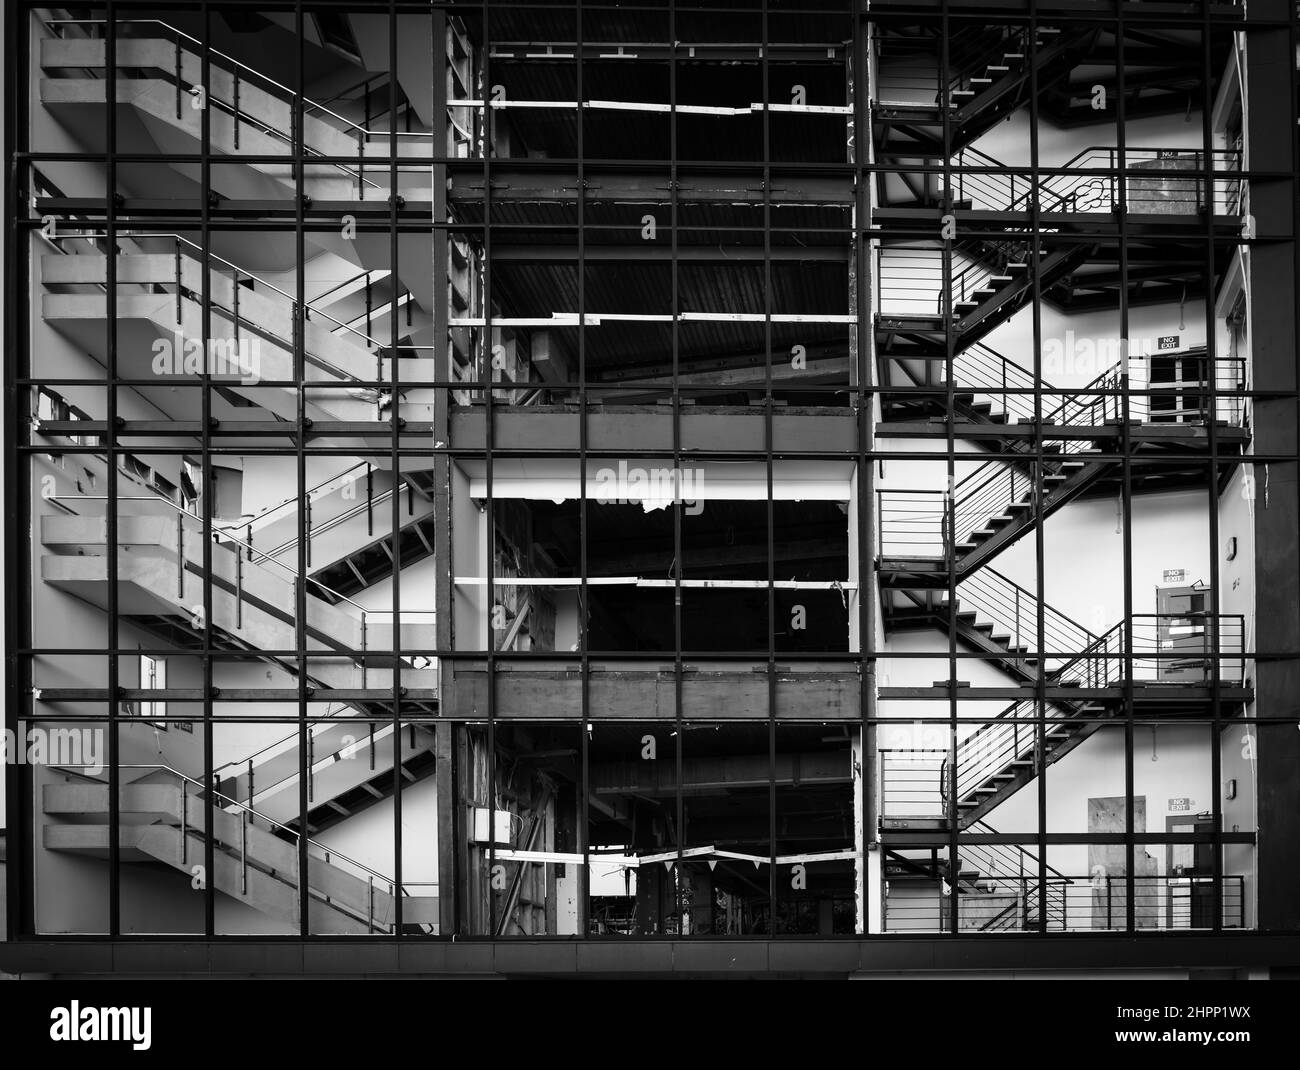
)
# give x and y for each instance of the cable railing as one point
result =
(1177, 387)
(1154, 649)
(986, 182)
(1007, 386)
(1148, 649)
(909, 783)
(1159, 181)
(1013, 610)
(1162, 181)
(911, 523)
(1155, 180)
(1011, 868)
(1076, 903)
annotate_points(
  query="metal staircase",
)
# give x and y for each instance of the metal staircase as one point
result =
(999, 618)
(991, 71)
(998, 889)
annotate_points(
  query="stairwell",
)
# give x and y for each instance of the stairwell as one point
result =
(159, 70)
(998, 889)
(992, 70)
(167, 818)
(161, 316)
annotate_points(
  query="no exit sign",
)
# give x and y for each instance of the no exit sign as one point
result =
(1177, 805)
(1167, 341)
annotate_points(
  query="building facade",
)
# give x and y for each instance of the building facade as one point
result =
(654, 488)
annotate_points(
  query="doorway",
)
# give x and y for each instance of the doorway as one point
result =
(1183, 634)
(1190, 874)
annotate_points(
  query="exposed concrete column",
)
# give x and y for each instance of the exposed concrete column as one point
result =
(1269, 64)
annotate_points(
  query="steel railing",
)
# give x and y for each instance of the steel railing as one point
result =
(1075, 903)
(1148, 648)
(323, 853)
(1152, 649)
(1013, 611)
(179, 36)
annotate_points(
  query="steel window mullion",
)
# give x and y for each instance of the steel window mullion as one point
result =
(584, 664)
(863, 398)
(208, 484)
(1040, 679)
(769, 406)
(112, 638)
(300, 451)
(953, 815)
(19, 789)
(1126, 481)
(489, 418)
(679, 557)
(395, 459)
(1212, 484)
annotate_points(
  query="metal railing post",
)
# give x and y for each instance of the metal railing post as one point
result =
(370, 499)
(185, 832)
(180, 555)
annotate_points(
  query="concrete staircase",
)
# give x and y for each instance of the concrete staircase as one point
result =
(167, 821)
(248, 114)
(160, 575)
(255, 323)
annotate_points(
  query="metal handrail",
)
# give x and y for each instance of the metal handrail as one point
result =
(340, 518)
(236, 112)
(228, 538)
(1059, 628)
(248, 810)
(359, 275)
(271, 746)
(986, 827)
(311, 104)
(976, 742)
(234, 267)
(295, 500)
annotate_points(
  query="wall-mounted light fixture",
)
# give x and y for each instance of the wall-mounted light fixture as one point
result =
(1231, 550)
(1230, 789)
